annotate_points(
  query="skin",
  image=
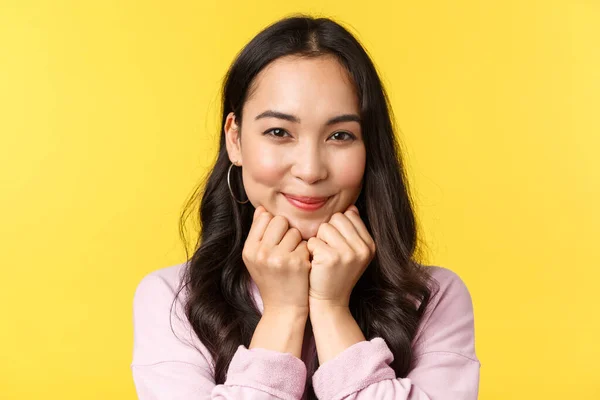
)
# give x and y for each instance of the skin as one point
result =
(306, 160)
(305, 263)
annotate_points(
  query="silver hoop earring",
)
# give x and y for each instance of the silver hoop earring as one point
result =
(229, 184)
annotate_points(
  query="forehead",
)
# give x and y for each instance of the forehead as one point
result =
(315, 86)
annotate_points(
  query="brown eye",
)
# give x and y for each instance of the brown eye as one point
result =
(276, 132)
(348, 135)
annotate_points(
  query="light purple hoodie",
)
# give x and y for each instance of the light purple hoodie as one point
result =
(175, 365)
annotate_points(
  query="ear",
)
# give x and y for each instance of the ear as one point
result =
(233, 139)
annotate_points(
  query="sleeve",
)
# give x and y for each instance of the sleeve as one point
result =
(170, 363)
(445, 365)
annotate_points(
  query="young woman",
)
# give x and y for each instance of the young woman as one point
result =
(304, 284)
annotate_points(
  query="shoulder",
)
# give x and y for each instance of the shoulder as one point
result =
(161, 329)
(448, 321)
(450, 283)
(156, 290)
(447, 284)
(169, 277)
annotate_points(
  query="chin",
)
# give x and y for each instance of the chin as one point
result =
(307, 235)
(306, 227)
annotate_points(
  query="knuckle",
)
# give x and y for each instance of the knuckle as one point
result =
(364, 256)
(246, 253)
(336, 258)
(299, 264)
(322, 228)
(336, 216)
(364, 252)
(346, 258)
(261, 255)
(280, 219)
(266, 217)
(295, 263)
(276, 261)
(295, 233)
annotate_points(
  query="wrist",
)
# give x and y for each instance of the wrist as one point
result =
(328, 305)
(290, 313)
(334, 328)
(320, 310)
(280, 329)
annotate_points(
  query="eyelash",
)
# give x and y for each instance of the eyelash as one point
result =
(352, 137)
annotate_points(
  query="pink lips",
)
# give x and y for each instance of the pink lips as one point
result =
(306, 203)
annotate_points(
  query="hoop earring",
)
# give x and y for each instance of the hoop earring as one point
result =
(229, 184)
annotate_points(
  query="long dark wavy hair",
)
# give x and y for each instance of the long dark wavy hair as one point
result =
(391, 296)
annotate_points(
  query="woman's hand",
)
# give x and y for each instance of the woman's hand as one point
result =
(278, 261)
(341, 251)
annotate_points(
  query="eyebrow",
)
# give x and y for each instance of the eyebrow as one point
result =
(293, 118)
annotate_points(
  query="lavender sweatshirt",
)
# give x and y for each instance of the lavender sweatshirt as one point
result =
(171, 363)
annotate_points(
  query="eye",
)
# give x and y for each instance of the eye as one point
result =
(276, 132)
(348, 134)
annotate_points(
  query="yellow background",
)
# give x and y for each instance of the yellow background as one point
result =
(108, 118)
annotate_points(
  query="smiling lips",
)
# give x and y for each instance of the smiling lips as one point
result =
(306, 203)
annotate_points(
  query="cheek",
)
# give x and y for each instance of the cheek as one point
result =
(263, 165)
(351, 169)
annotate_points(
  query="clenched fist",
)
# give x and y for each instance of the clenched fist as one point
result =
(278, 260)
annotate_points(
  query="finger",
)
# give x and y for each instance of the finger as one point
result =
(259, 225)
(352, 207)
(315, 244)
(275, 231)
(333, 238)
(290, 240)
(302, 249)
(348, 231)
(360, 227)
(257, 212)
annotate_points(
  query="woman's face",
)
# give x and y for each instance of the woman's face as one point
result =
(300, 136)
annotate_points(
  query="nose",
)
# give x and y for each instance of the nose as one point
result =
(309, 164)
